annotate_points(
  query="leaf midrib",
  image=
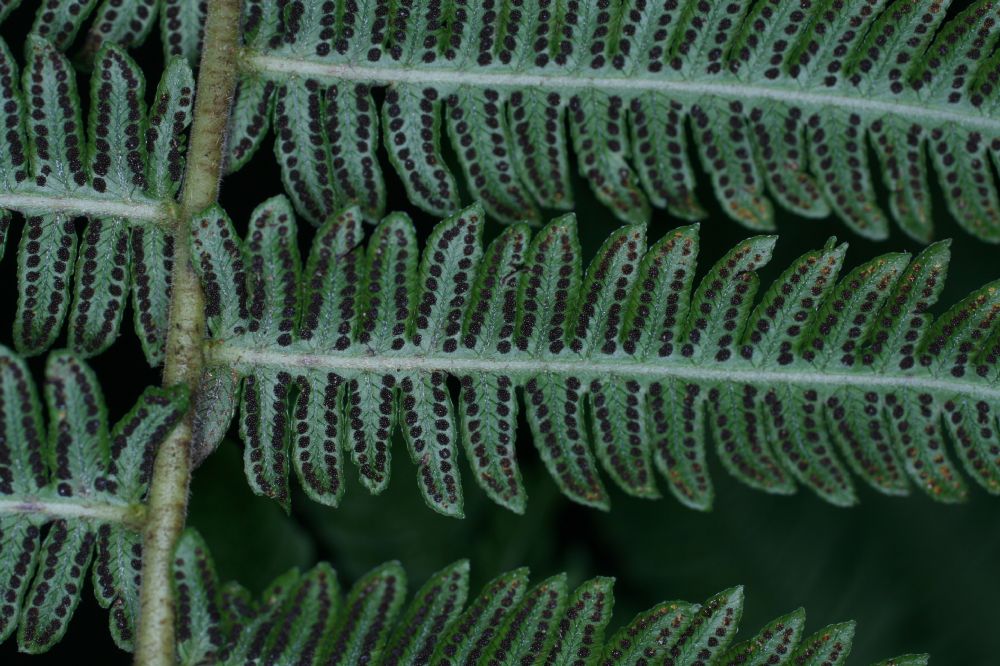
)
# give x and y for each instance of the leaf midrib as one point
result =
(72, 509)
(247, 358)
(31, 203)
(911, 111)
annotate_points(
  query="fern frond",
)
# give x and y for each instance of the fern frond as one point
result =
(781, 97)
(123, 177)
(85, 485)
(907, 660)
(626, 364)
(124, 22)
(303, 618)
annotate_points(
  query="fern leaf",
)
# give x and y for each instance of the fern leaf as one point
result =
(126, 23)
(59, 22)
(7, 7)
(830, 645)
(182, 27)
(790, 95)
(369, 611)
(772, 645)
(907, 660)
(302, 618)
(580, 631)
(123, 178)
(198, 596)
(522, 637)
(85, 483)
(626, 366)
(435, 605)
(780, 101)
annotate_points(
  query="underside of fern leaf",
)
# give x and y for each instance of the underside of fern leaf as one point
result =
(72, 496)
(627, 366)
(304, 619)
(778, 97)
(124, 22)
(123, 178)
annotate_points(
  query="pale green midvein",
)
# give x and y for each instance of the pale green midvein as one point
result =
(246, 358)
(30, 203)
(130, 515)
(910, 111)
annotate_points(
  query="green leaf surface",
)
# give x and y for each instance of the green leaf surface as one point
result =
(778, 102)
(72, 497)
(629, 366)
(120, 172)
(302, 618)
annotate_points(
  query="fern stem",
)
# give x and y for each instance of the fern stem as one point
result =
(849, 99)
(172, 471)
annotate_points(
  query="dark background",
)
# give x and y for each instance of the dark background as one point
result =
(916, 575)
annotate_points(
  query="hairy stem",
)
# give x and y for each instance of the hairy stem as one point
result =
(172, 471)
